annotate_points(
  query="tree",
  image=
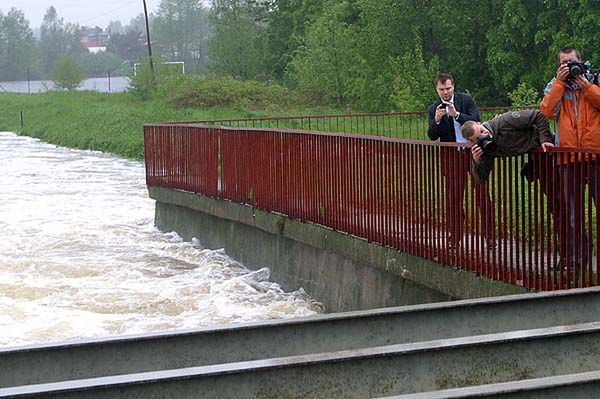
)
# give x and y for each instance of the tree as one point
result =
(138, 23)
(67, 75)
(287, 21)
(181, 31)
(129, 46)
(412, 88)
(329, 63)
(99, 64)
(513, 60)
(234, 47)
(115, 27)
(58, 39)
(17, 46)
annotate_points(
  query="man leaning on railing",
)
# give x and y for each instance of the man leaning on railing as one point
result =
(509, 134)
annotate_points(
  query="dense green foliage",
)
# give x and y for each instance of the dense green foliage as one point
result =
(17, 45)
(228, 92)
(197, 91)
(57, 40)
(101, 63)
(234, 47)
(381, 55)
(181, 29)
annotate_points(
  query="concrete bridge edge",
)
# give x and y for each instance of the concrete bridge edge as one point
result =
(342, 271)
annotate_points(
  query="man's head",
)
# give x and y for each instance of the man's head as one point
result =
(471, 130)
(568, 53)
(444, 84)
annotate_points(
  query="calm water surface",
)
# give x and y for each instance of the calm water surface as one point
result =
(115, 85)
(79, 256)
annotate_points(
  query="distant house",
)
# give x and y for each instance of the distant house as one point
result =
(94, 39)
(92, 46)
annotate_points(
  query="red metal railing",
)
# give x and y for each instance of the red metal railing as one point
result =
(182, 158)
(415, 196)
(406, 125)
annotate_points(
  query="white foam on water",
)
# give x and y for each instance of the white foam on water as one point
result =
(80, 258)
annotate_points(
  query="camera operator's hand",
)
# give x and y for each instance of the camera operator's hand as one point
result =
(582, 82)
(452, 111)
(547, 145)
(476, 152)
(562, 72)
(440, 112)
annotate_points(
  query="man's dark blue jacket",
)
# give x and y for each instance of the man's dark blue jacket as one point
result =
(467, 109)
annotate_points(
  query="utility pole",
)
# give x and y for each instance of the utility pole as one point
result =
(148, 39)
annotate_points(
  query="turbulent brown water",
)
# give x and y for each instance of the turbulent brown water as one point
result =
(79, 256)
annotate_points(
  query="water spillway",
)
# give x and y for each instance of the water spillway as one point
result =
(80, 257)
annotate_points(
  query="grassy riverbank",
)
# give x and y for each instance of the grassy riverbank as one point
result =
(106, 122)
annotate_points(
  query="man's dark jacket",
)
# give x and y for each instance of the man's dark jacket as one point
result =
(444, 131)
(515, 133)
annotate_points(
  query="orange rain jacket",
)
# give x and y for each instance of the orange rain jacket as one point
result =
(576, 112)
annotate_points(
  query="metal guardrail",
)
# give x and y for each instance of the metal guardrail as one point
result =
(537, 229)
(406, 125)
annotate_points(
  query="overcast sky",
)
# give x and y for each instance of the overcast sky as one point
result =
(83, 12)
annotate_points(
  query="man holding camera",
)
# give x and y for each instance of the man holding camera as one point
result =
(446, 116)
(506, 135)
(573, 102)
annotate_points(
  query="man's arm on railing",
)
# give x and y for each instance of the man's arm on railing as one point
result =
(543, 128)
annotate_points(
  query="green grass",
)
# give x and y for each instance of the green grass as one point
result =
(108, 122)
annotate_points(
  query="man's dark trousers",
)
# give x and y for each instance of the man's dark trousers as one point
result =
(455, 169)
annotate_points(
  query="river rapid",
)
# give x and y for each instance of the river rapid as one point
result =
(80, 257)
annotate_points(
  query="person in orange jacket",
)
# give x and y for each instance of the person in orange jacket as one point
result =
(573, 103)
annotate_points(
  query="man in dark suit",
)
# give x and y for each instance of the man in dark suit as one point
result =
(446, 116)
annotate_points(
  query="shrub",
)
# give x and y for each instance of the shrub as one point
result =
(144, 83)
(413, 79)
(524, 95)
(67, 75)
(199, 91)
(228, 92)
